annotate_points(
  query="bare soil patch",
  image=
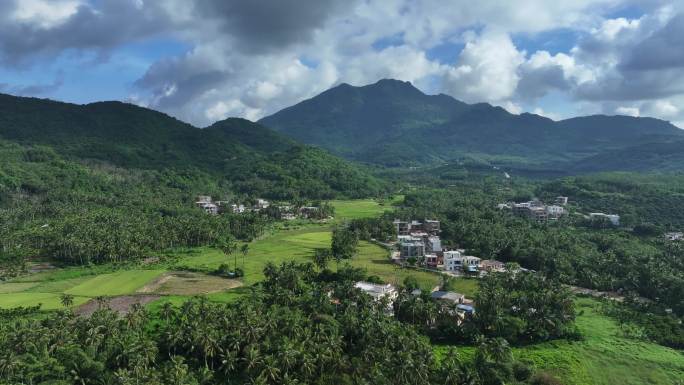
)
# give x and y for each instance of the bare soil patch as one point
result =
(121, 304)
(188, 283)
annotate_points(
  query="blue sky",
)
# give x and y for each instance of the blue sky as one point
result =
(204, 61)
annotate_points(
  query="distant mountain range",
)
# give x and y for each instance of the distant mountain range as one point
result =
(255, 159)
(393, 123)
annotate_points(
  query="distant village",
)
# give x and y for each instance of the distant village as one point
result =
(284, 212)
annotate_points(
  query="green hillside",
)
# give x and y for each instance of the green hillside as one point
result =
(393, 123)
(254, 159)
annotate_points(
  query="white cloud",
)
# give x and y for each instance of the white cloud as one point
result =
(45, 14)
(629, 111)
(487, 69)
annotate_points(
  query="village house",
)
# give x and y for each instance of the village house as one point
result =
(379, 291)
(205, 203)
(429, 226)
(432, 260)
(555, 212)
(456, 261)
(491, 265)
(262, 204)
(412, 248)
(308, 212)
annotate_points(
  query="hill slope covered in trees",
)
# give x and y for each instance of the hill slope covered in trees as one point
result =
(393, 123)
(253, 158)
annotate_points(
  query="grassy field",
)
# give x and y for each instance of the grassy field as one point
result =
(118, 283)
(604, 357)
(359, 208)
(48, 301)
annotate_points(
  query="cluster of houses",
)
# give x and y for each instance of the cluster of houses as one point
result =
(286, 212)
(537, 210)
(210, 206)
(419, 241)
(289, 213)
(389, 292)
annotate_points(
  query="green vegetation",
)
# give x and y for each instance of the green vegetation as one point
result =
(288, 331)
(48, 301)
(359, 208)
(604, 356)
(119, 283)
(392, 123)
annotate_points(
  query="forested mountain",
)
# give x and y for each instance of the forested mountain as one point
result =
(253, 158)
(393, 123)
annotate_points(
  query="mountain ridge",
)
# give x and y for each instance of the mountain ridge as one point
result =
(392, 123)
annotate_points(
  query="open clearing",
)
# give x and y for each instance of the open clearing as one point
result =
(360, 208)
(112, 284)
(188, 283)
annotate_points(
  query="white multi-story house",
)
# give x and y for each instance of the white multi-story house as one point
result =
(378, 292)
(555, 211)
(455, 260)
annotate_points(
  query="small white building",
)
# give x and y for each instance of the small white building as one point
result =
(555, 211)
(262, 204)
(378, 291)
(674, 236)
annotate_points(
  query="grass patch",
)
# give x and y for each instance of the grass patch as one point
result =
(119, 283)
(13, 287)
(359, 208)
(604, 357)
(48, 301)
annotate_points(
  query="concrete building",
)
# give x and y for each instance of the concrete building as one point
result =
(431, 226)
(377, 291)
(491, 265)
(410, 249)
(433, 245)
(455, 260)
(402, 227)
(555, 211)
